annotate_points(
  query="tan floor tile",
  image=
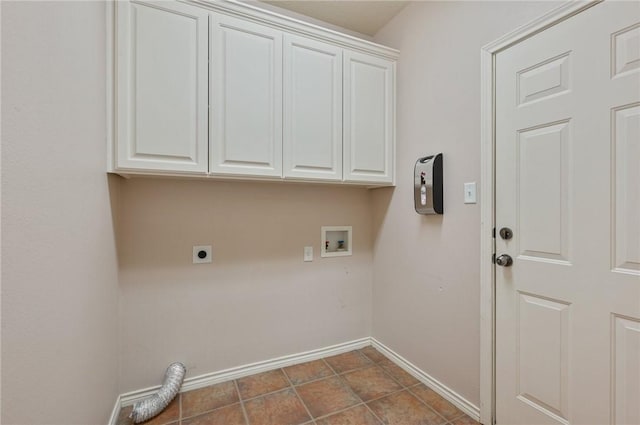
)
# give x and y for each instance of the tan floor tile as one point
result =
(398, 373)
(348, 361)
(404, 409)
(208, 398)
(371, 383)
(373, 354)
(327, 396)
(464, 420)
(281, 408)
(358, 415)
(262, 383)
(310, 371)
(229, 415)
(436, 402)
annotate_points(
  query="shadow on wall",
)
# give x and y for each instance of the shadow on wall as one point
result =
(159, 220)
(380, 201)
(113, 182)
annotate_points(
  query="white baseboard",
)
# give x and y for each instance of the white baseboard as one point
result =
(447, 393)
(113, 419)
(205, 380)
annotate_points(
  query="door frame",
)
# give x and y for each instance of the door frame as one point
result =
(487, 177)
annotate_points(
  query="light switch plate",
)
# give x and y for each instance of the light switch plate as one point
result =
(308, 253)
(470, 193)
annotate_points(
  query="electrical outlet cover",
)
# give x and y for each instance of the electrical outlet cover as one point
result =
(308, 253)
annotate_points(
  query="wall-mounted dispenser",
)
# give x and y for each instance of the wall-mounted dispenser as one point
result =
(427, 191)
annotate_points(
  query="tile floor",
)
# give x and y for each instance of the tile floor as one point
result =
(361, 387)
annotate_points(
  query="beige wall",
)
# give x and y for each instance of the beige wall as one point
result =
(426, 268)
(258, 300)
(59, 270)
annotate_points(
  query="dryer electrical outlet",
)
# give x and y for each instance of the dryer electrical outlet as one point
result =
(202, 254)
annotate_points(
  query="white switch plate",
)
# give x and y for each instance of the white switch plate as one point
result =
(470, 193)
(206, 257)
(308, 253)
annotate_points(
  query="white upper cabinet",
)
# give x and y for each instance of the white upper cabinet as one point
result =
(369, 99)
(223, 89)
(312, 145)
(246, 98)
(161, 79)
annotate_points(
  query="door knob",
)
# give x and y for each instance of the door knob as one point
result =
(504, 260)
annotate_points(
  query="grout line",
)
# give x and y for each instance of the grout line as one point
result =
(312, 380)
(373, 413)
(299, 398)
(356, 369)
(446, 421)
(376, 362)
(373, 363)
(386, 395)
(206, 412)
(265, 394)
(330, 367)
(393, 378)
(244, 411)
(352, 370)
(341, 410)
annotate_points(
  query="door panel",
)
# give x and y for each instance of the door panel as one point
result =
(162, 84)
(625, 52)
(543, 357)
(312, 109)
(567, 183)
(543, 179)
(626, 175)
(626, 371)
(549, 78)
(246, 93)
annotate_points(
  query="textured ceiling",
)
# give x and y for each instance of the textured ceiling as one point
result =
(365, 17)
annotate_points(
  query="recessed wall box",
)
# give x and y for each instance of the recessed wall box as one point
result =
(427, 190)
(336, 241)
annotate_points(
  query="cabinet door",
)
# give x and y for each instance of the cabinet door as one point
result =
(368, 118)
(246, 93)
(312, 109)
(161, 87)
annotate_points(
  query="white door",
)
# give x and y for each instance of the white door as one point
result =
(368, 118)
(568, 186)
(162, 87)
(246, 98)
(312, 109)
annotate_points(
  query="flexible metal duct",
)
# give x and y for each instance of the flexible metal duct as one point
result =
(154, 405)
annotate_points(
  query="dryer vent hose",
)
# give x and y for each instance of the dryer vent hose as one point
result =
(149, 407)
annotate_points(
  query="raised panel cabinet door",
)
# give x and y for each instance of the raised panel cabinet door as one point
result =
(246, 98)
(312, 145)
(368, 142)
(162, 53)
